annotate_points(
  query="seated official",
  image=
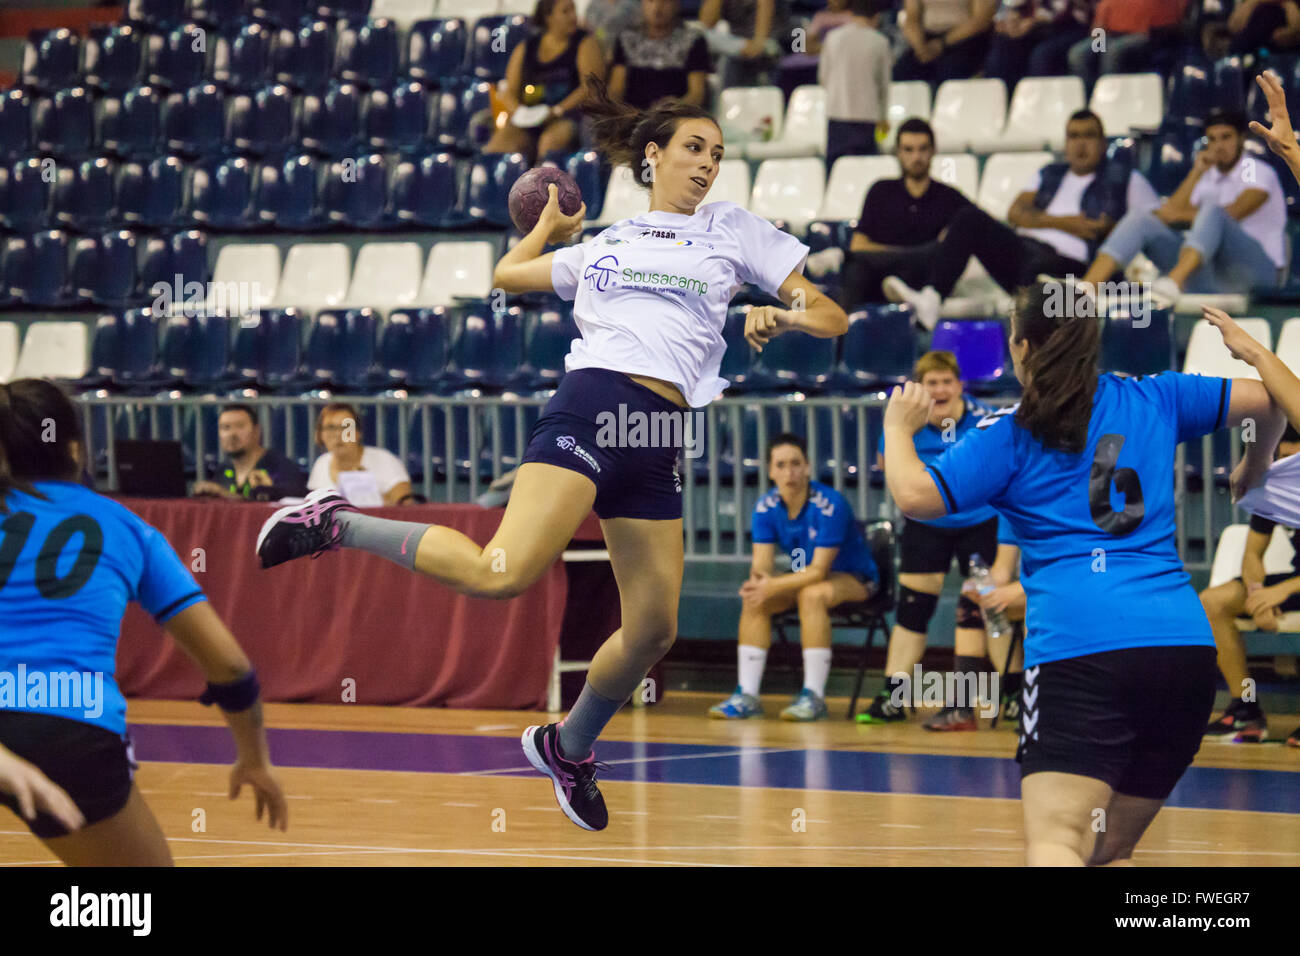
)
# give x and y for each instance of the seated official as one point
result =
(250, 472)
(830, 564)
(358, 471)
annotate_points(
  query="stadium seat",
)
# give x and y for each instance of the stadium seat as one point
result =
(472, 10)
(1005, 176)
(794, 360)
(151, 194)
(36, 268)
(340, 349)
(458, 103)
(623, 198)
(423, 191)
(980, 347)
(751, 114)
(15, 124)
(732, 183)
(803, 132)
(64, 124)
(223, 14)
(194, 120)
(111, 58)
(1191, 88)
(386, 276)
(404, 12)
(908, 99)
(1288, 344)
(435, 49)
(964, 110)
(1128, 102)
(128, 355)
(245, 275)
(1137, 345)
(279, 12)
(303, 55)
(1040, 108)
(851, 179)
(738, 359)
(485, 346)
(398, 119)
(878, 351)
(219, 193)
(84, 194)
(354, 191)
(155, 13)
(102, 269)
(174, 270)
(412, 349)
(50, 59)
(195, 349)
(457, 269)
(548, 335)
(491, 177)
(25, 193)
(178, 59)
(491, 42)
(242, 63)
(259, 123)
(315, 276)
(329, 121)
(128, 126)
(789, 190)
(366, 53)
(1171, 159)
(1228, 86)
(284, 192)
(267, 347)
(8, 350)
(960, 171)
(57, 350)
(1207, 355)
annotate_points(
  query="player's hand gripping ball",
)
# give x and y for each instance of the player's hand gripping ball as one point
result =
(909, 407)
(530, 195)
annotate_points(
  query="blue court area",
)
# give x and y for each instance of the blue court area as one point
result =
(851, 771)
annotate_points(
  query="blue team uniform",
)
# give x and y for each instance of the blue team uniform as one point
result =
(68, 567)
(1070, 514)
(825, 521)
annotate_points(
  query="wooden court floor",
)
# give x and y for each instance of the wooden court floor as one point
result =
(702, 793)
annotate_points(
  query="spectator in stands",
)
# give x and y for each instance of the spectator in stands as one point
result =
(902, 221)
(1258, 595)
(801, 67)
(1122, 36)
(250, 472)
(606, 19)
(830, 564)
(1034, 37)
(546, 83)
(1064, 212)
(338, 430)
(854, 69)
(1237, 214)
(662, 60)
(760, 31)
(1264, 24)
(946, 39)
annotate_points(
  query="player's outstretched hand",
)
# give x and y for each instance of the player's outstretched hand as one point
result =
(556, 225)
(1239, 343)
(1281, 138)
(909, 407)
(35, 791)
(266, 790)
(764, 323)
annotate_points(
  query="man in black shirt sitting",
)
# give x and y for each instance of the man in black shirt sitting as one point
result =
(249, 471)
(902, 221)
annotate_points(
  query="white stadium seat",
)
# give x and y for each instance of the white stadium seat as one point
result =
(404, 12)
(965, 110)
(851, 179)
(803, 133)
(908, 99)
(790, 190)
(1207, 355)
(246, 276)
(745, 111)
(8, 350)
(1040, 108)
(54, 350)
(1277, 560)
(386, 276)
(1288, 344)
(316, 276)
(457, 269)
(961, 171)
(1129, 101)
(469, 10)
(1004, 179)
(732, 183)
(624, 198)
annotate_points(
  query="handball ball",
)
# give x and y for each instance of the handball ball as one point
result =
(529, 195)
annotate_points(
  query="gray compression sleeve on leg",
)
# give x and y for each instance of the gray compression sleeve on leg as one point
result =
(398, 541)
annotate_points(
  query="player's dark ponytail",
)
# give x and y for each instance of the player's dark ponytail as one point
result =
(622, 132)
(1061, 366)
(38, 426)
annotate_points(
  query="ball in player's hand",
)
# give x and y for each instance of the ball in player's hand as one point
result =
(529, 195)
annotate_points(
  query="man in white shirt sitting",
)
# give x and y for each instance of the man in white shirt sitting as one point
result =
(1236, 209)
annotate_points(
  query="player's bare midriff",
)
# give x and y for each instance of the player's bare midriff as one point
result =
(660, 387)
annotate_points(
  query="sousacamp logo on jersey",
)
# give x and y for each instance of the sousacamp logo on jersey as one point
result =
(25, 689)
(606, 272)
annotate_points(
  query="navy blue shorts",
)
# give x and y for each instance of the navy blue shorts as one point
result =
(621, 435)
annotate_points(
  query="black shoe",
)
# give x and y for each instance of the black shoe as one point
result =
(296, 531)
(575, 782)
(882, 711)
(1236, 718)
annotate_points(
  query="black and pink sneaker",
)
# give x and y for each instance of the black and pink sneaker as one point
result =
(575, 783)
(311, 528)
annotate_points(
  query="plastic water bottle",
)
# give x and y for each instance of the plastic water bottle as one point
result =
(981, 582)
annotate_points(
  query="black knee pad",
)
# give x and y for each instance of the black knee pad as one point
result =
(915, 608)
(968, 614)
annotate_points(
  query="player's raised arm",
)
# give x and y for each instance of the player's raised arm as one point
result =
(524, 268)
(1281, 137)
(810, 311)
(910, 484)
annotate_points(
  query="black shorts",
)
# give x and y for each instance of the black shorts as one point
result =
(93, 765)
(925, 549)
(1290, 604)
(622, 436)
(1133, 718)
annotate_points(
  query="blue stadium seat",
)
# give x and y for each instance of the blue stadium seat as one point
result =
(112, 58)
(794, 360)
(267, 347)
(195, 349)
(354, 191)
(125, 348)
(340, 349)
(488, 60)
(260, 123)
(129, 126)
(243, 62)
(490, 178)
(548, 334)
(284, 192)
(303, 56)
(329, 121)
(398, 119)
(584, 167)
(338, 9)
(738, 360)
(1137, 345)
(180, 263)
(223, 14)
(155, 13)
(980, 347)
(435, 49)
(412, 349)
(423, 192)
(879, 349)
(15, 123)
(178, 59)
(457, 104)
(64, 124)
(282, 13)
(219, 193)
(1171, 159)
(103, 268)
(84, 195)
(1229, 83)
(37, 268)
(366, 53)
(51, 59)
(152, 194)
(1190, 93)
(193, 121)
(25, 195)
(485, 347)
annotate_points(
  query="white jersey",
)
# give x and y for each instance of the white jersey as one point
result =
(1278, 498)
(650, 293)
